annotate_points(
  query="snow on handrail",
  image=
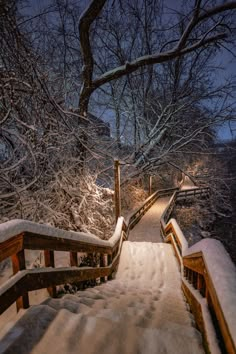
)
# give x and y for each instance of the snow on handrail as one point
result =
(17, 235)
(117, 233)
(17, 226)
(208, 268)
(174, 227)
(222, 274)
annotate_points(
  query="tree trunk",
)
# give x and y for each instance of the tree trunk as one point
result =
(84, 122)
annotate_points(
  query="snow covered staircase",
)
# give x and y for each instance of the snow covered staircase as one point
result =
(141, 311)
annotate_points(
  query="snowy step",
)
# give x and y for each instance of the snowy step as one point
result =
(141, 311)
(69, 302)
(88, 334)
(28, 330)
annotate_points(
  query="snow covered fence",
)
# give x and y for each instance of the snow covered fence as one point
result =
(208, 267)
(207, 273)
(18, 235)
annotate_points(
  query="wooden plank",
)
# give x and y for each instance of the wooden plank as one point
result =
(49, 258)
(73, 259)
(50, 262)
(35, 241)
(18, 263)
(64, 275)
(170, 239)
(195, 279)
(103, 263)
(196, 263)
(196, 309)
(201, 284)
(109, 261)
(170, 229)
(12, 290)
(11, 246)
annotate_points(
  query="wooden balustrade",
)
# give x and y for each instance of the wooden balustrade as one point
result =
(207, 273)
(181, 195)
(18, 235)
(194, 192)
(201, 273)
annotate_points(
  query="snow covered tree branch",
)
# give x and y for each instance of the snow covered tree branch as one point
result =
(203, 37)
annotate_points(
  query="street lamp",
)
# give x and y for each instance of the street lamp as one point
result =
(117, 197)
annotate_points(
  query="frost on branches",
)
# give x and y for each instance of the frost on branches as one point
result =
(69, 202)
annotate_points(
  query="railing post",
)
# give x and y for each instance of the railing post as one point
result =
(49, 262)
(150, 185)
(73, 259)
(103, 261)
(117, 197)
(109, 260)
(18, 263)
(200, 283)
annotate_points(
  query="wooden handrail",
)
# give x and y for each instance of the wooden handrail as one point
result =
(186, 193)
(178, 195)
(207, 273)
(138, 213)
(18, 235)
(33, 279)
(210, 270)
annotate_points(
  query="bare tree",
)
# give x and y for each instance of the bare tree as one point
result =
(203, 25)
(37, 136)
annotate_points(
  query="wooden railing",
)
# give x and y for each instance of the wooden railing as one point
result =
(138, 214)
(193, 192)
(180, 195)
(19, 235)
(16, 236)
(208, 281)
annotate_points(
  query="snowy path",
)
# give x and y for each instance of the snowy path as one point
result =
(141, 311)
(188, 184)
(148, 228)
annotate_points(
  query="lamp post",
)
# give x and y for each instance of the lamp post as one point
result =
(117, 197)
(150, 185)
